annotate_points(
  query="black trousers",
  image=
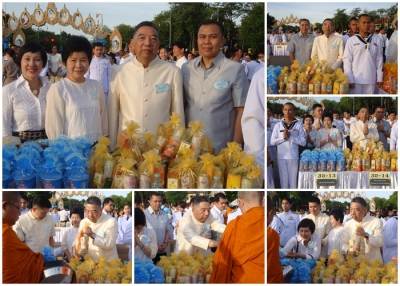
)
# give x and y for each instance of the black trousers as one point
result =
(349, 143)
(158, 257)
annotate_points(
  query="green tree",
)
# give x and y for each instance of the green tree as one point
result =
(393, 202)
(340, 18)
(252, 29)
(355, 12)
(380, 202)
(231, 196)
(270, 21)
(126, 32)
(392, 11)
(174, 197)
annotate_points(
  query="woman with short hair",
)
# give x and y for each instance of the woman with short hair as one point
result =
(76, 215)
(11, 71)
(145, 238)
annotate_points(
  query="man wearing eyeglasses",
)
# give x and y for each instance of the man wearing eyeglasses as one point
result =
(20, 263)
(219, 208)
(36, 228)
(102, 232)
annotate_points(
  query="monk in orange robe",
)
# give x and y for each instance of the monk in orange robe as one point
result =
(240, 254)
(20, 264)
(274, 273)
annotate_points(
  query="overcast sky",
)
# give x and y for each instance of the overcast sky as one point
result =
(318, 11)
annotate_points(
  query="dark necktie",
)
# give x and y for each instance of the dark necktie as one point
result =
(182, 214)
(127, 218)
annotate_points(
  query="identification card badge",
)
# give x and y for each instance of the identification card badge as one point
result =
(335, 46)
(100, 233)
(321, 225)
(312, 245)
(165, 221)
(286, 226)
(145, 239)
(46, 228)
(221, 84)
(160, 88)
(94, 94)
(369, 231)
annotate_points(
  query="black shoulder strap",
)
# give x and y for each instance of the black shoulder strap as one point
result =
(365, 42)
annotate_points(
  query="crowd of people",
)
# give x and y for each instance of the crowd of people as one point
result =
(98, 94)
(360, 51)
(27, 231)
(325, 129)
(203, 226)
(317, 234)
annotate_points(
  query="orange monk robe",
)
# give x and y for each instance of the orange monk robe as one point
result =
(20, 264)
(274, 273)
(240, 254)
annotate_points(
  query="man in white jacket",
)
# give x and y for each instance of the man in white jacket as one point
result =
(363, 131)
(362, 59)
(371, 231)
(195, 229)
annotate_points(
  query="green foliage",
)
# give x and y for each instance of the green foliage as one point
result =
(174, 197)
(252, 30)
(380, 203)
(270, 21)
(126, 32)
(340, 18)
(231, 196)
(393, 200)
(299, 199)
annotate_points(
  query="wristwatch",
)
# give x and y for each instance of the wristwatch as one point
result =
(94, 235)
(366, 235)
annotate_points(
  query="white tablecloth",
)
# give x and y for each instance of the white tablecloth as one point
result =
(280, 50)
(60, 233)
(346, 180)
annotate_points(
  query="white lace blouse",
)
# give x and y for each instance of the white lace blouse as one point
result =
(23, 111)
(55, 62)
(76, 110)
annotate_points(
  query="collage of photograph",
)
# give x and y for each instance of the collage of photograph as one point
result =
(332, 153)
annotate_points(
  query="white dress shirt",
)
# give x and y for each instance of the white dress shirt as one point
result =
(350, 121)
(233, 215)
(55, 62)
(148, 238)
(22, 111)
(147, 96)
(390, 239)
(372, 226)
(357, 133)
(68, 239)
(100, 70)
(252, 66)
(329, 49)
(175, 218)
(35, 233)
(25, 211)
(127, 59)
(124, 229)
(76, 110)
(287, 223)
(192, 234)
(63, 215)
(392, 48)
(394, 136)
(217, 214)
(181, 61)
(312, 251)
(334, 239)
(322, 228)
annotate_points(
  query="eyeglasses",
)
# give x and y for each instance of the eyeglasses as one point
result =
(20, 210)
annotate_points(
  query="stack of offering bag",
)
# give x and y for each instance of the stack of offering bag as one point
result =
(390, 79)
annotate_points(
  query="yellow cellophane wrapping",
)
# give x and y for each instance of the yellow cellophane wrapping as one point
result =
(329, 273)
(151, 162)
(124, 167)
(99, 157)
(207, 166)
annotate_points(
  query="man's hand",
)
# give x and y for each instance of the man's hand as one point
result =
(162, 247)
(291, 254)
(75, 253)
(286, 134)
(380, 127)
(137, 239)
(88, 231)
(360, 232)
(213, 243)
(366, 128)
(352, 85)
(394, 259)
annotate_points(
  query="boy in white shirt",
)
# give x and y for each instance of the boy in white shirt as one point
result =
(362, 59)
(288, 135)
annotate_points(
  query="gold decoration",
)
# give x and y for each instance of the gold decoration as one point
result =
(65, 17)
(38, 17)
(77, 20)
(89, 26)
(25, 19)
(51, 14)
(116, 41)
(19, 38)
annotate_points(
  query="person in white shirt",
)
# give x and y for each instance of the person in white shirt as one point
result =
(363, 131)
(390, 235)
(328, 46)
(328, 137)
(362, 59)
(145, 238)
(125, 226)
(234, 214)
(348, 120)
(339, 124)
(273, 38)
(128, 57)
(288, 135)
(306, 245)
(219, 208)
(195, 229)
(55, 215)
(252, 66)
(382, 125)
(286, 221)
(76, 105)
(64, 216)
(24, 205)
(36, 228)
(371, 231)
(347, 216)
(108, 207)
(283, 37)
(392, 47)
(336, 219)
(102, 232)
(321, 220)
(70, 235)
(178, 216)
(394, 134)
(271, 122)
(100, 69)
(352, 30)
(301, 214)
(179, 52)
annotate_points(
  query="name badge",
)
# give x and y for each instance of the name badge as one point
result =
(46, 228)
(335, 46)
(221, 84)
(100, 233)
(337, 234)
(312, 245)
(286, 226)
(370, 130)
(145, 240)
(321, 225)
(160, 88)
(94, 94)
(369, 231)
(165, 221)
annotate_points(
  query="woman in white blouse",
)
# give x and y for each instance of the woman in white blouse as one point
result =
(328, 137)
(306, 244)
(76, 105)
(24, 100)
(145, 238)
(310, 131)
(70, 235)
(55, 62)
(336, 219)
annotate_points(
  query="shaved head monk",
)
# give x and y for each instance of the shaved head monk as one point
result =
(240, 254)
(20, 264)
